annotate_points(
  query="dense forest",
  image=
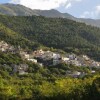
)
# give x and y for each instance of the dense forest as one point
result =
(36, 87)
(57, 33)
(16, 39)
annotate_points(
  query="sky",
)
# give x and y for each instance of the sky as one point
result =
(77, 8)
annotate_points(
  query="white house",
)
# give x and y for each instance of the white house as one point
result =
(93, 71)
(65, 59)
(21, 72)
(56, 56)
(76, 74)
(33, 60)
(40, 64)
(2, 49)
(24, 55)
(85, 57)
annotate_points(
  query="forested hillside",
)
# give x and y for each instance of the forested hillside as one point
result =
(21, 79)
(16, 39)
(29, 87)
(64, 34)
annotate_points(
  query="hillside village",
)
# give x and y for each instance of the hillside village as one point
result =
(47, 58)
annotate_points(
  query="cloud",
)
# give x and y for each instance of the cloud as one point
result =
(97, 12)
(45, 4)
(15, 1)
(92, 14)
(68, 5)
(86, 14)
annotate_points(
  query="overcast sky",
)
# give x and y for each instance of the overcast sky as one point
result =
(77, 8)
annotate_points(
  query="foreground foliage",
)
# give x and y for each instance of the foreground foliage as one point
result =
(28, 88)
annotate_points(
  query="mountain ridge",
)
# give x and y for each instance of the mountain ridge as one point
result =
(20, 10)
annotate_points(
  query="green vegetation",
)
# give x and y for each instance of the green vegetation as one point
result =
(45, 83)
(15, 38)
(29, 87)
(57, 33)
(8, 58)
(48, 83)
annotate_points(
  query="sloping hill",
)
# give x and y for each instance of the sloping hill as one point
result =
(58, 33)
(16, 10)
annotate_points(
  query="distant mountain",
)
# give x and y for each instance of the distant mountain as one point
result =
(20, 10)
(53, 14)
(93, 22)
(16, 10)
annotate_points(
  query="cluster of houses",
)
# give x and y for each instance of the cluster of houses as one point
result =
(47, 58)
(4, 47)
(50, 58)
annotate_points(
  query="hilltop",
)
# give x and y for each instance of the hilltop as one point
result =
(20, 10)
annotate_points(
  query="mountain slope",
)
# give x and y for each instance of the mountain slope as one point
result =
(15, 10)
(14, 38)
(58, 33)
